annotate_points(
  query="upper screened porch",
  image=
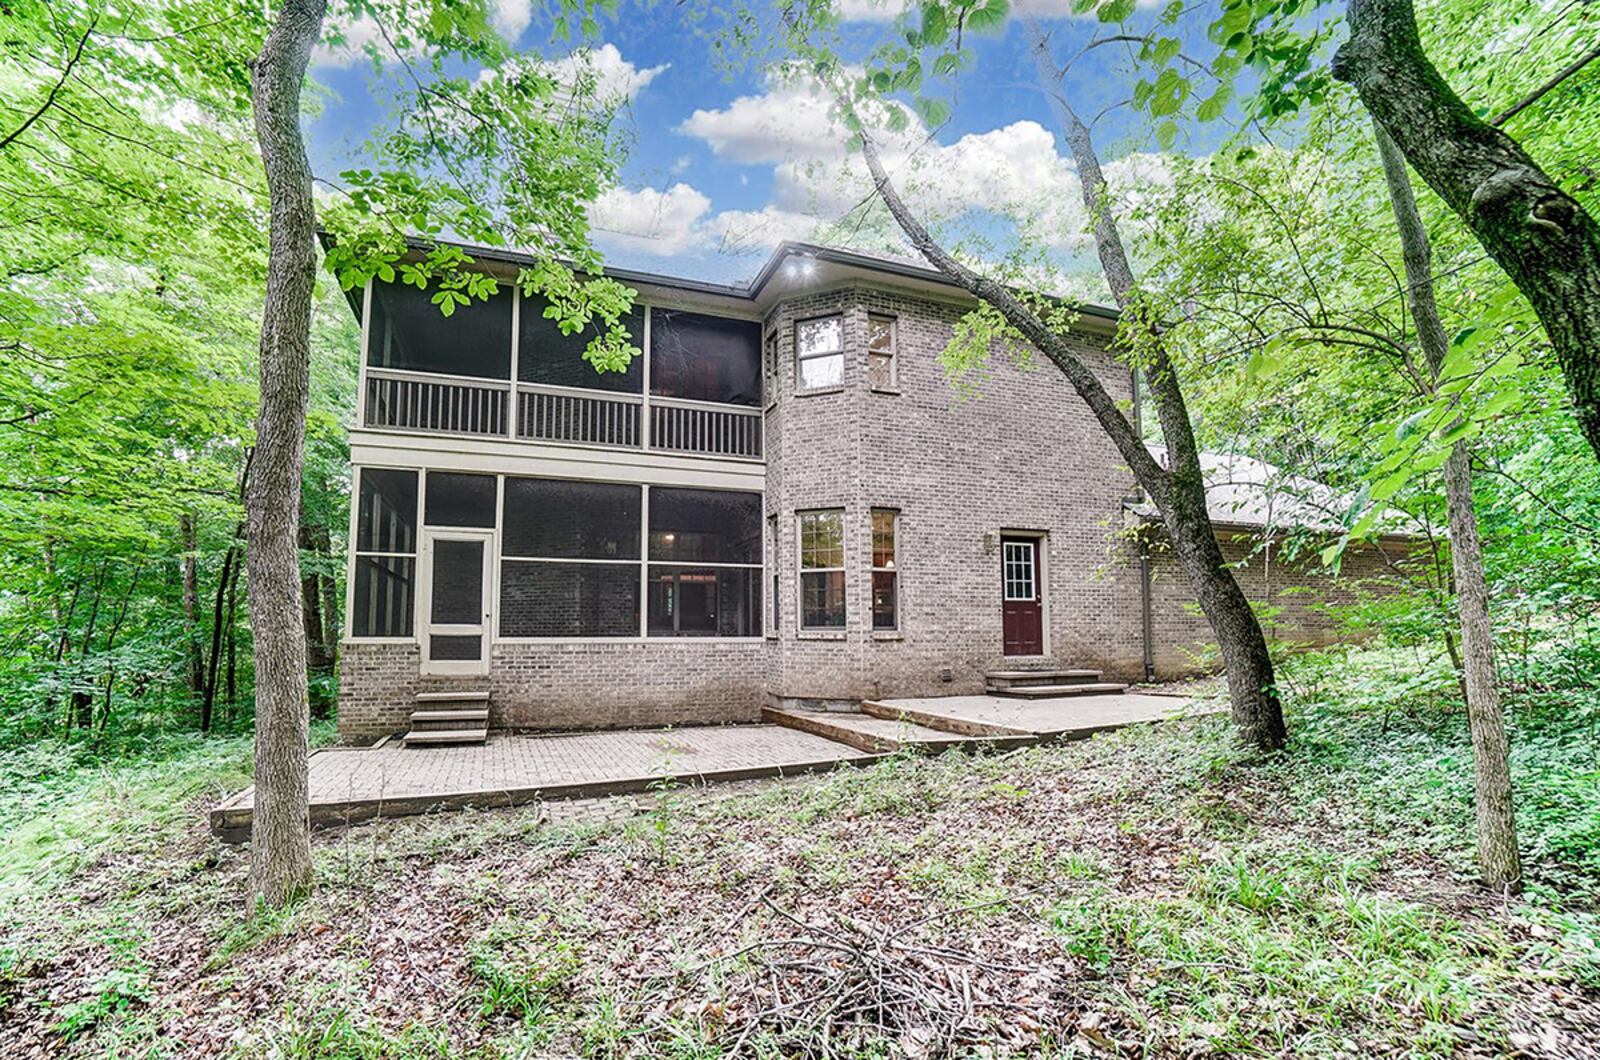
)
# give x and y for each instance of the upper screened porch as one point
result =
(501, 370)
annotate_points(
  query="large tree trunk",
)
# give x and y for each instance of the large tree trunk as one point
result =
(1497, 825)
(280, 852)
(1541, 236)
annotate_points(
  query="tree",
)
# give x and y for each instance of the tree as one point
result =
(1178, 492)
(1497, 825)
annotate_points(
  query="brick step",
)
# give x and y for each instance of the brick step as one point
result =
(868, 733)
(944, 723)
(454, 696)
(1103, 688)
(1021, 678)
(420, 737)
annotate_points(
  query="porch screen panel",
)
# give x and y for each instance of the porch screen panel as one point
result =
(459, 500)
(546, 356)
(410, 333)
(384, 592)
(705, 563)
(570, 559)
(705, 358)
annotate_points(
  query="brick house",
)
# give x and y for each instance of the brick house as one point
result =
(784, 501)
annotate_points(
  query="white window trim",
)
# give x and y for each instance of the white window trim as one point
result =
(893, 385)
(801, 358)
(872, 556)
(801, 570)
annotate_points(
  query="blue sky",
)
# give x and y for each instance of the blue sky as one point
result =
(723, 165)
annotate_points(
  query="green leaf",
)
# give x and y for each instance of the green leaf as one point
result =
(1115, 10)
(1167, 135)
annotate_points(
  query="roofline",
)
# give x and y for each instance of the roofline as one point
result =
(746, 291)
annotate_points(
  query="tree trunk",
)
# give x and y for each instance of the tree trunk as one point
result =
(225, 579)
(233, 642)
(189, 543)
(280, 849)
(1497, 824)
(1540, 236)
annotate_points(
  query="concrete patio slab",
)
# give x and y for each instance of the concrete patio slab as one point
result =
(1064, 718)
(354, 784)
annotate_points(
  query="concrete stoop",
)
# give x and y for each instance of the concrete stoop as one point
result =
(449, 717)
(1049, 684)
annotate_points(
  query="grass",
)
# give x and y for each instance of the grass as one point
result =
(1158, 891)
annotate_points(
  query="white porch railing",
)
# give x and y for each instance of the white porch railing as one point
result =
(552, 414)
(702, 427)
(449, 404)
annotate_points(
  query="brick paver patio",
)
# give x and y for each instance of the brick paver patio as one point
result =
(1064, 717)
(352, 784)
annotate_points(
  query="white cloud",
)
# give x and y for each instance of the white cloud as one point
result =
(511, 17)
(680, 219)
(616, 80)
(885, 10)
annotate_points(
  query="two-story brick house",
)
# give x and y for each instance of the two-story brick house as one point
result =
(784, 500)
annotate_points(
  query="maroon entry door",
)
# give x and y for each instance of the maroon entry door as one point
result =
(1022, 596)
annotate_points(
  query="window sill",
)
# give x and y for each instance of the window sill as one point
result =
(821, 634)
(893, 391)
(888, 634)
(819, 391)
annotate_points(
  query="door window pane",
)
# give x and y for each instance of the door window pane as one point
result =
(545, 355)
(1019, 579)
(707, 358)
(705, 601)
(410, 333)
(383, 596)
(460, 500)
(705, 526)
(457, 583)
(386, 518)
(569, 599)
(557, 519)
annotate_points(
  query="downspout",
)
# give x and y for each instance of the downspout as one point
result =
(1145, 621)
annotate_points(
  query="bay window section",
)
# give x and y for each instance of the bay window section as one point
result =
(385, 553)
(569, 562)
(819, 352)
(885, 574)
(704, 563)
(822, 600)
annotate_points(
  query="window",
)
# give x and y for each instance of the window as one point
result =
(386, 553)
(819, 352)
(705, 358)
(408, 332)
(821, 570)
(459, 500)
(705, 563)
(772, 565)
(772, 368)
(545, 355)
(570, 559)
(880, 352)
(1018, 570)
(885, 576)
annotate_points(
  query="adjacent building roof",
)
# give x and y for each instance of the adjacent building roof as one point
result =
(1247, 493)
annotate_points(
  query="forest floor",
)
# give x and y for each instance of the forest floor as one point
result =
(1152, 892)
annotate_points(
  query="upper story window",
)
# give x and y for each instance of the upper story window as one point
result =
(705, 358)
(546, 356)
(819, 352)
(881, 366)
(409, 333)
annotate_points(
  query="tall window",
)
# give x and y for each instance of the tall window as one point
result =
(819, 352)
(821, 570)
(705, 563)
(772, 567)
(885, 576)
(386, 553)
(881, 370)
(570, 559)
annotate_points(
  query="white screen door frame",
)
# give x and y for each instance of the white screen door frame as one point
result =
(436, 540)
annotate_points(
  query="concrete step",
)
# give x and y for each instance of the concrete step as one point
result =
(479, 714)
(422, 737)
(1020, 678)
(945, 723)
(1098, 688)
(454, 696)
(866, 732)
